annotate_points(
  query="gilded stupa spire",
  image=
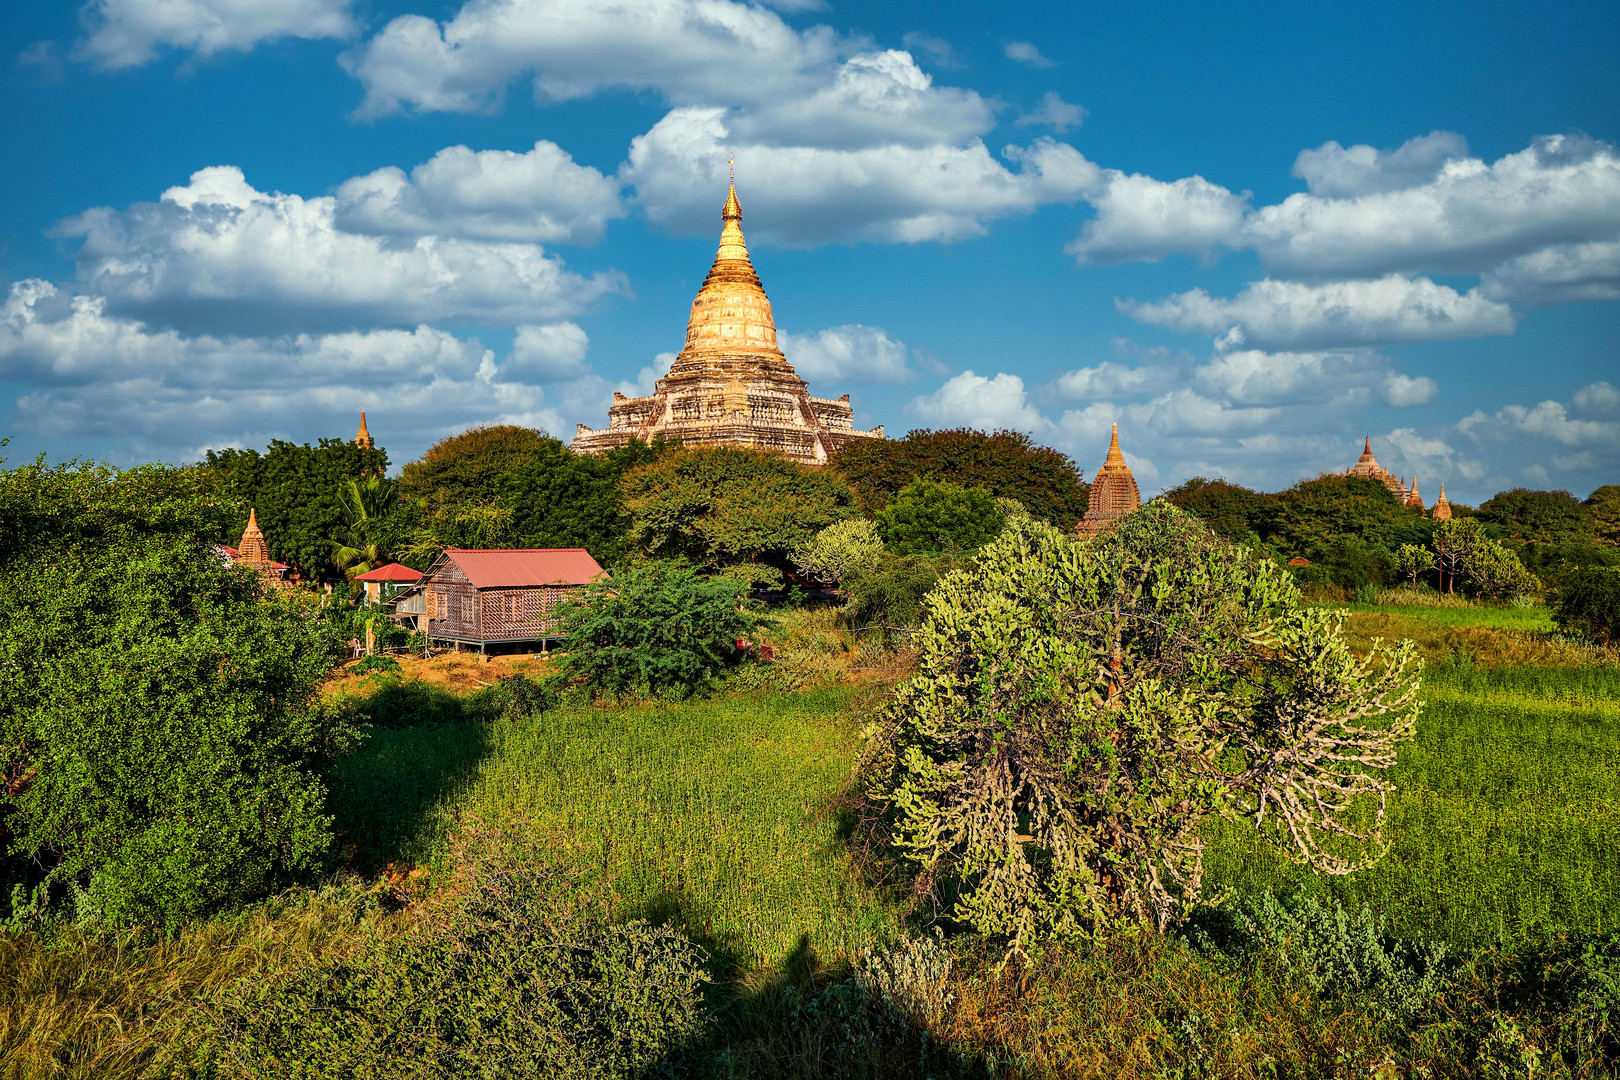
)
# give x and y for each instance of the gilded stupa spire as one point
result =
(1114, 456)
(362, 438)
(252, 549)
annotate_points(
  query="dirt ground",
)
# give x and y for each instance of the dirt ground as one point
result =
(458, 672)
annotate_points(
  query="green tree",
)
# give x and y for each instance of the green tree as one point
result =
(658, 628)
(1588, 602)
(158, 733)
(927, 517)
(1005, 463)
(563, 499)
(295, 489)
(469, 468)
(1454, 541)
(731, 509)
(1335, 507)
(1493, 570)
(1412, 560)
(1081, 707)
(364, 543)
(1232, 511)
(1537, 517)
(1603, 507)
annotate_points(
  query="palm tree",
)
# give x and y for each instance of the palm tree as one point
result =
(358, 546)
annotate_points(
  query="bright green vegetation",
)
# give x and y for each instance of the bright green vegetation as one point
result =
(1506, 817)
(1534, 619)
(713, 814)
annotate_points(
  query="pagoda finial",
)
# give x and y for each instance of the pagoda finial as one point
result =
(362, 438)
(1366, 445)
(733, 210)
(1114, 455)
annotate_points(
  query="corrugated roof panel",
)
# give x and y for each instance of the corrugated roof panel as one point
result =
(494, 568)
(390, 572)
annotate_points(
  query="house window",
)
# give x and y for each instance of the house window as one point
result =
(441, 605)
(466, 609)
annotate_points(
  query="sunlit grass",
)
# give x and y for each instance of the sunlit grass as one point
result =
(1506, 818)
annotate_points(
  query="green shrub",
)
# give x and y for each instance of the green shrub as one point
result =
(928, 517)
(659, 628)
(1331, 951)
(842, 549)
(890, 596)
(1081, 705)
(1588, 602)
(517, 979)
(376, 665)
(156, 707)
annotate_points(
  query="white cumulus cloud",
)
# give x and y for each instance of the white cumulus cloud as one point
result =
(1337, 172)
(127, 33)
(1140, 219)
(1403, 391)
(969, 400)
(219, 255)
(814, 194)
(1110, 379)
(1274, 314)
(1560, 274)
(540, 195)
(1055, 113)
(840, 354)
(1025, 53)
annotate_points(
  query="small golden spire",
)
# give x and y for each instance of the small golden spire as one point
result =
(1114, 456)
(362, 437)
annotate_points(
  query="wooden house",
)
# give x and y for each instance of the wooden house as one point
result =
(495, 595)
(385, 582)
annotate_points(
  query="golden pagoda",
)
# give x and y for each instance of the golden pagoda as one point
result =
(1113, 493)
(731, 385)
(255, 552)
(1414, 500)
(1367, 468)
(362, 438)
(1442, 508)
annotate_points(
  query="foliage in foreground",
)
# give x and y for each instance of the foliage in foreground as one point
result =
(928, 517)
(1081, 707)
(160, 752)
(519, 977)
(1588, 602)
(659, 628)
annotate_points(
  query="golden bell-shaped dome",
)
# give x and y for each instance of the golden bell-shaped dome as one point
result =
(731, 316)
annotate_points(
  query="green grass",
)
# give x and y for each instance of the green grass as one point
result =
(714, 814)
(1506, 818)
(1533, 619)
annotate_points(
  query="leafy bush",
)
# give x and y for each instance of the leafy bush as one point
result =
(1329, 950)
(1588, 602)
(842, 549)
(928, 517)
(890, 597)
(376, 665)
(157, 720)
(913, 977)
(1492, 570)
(659, 628)
(1081, 707)
(517, 979)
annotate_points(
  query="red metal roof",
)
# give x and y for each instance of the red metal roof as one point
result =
(392, 572)
(494, 568)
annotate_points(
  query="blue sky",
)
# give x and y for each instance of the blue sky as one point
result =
(1249, 234)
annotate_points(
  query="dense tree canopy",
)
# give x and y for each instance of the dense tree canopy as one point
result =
(296, 489)
(1335, 507)
(1537, 517)
(469, 467)
(563, 499)
(928, 517)
(727, 508)
(157, 736)
(1230, 510)
(1603, 506)
(1005, 463)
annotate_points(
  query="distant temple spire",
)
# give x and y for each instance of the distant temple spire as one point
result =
(253, 548)
(362, 438)
(1442, 508)
(1113, 493)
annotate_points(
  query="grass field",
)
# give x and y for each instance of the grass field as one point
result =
(1506, 818)
(714, 814)
(717, 816)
